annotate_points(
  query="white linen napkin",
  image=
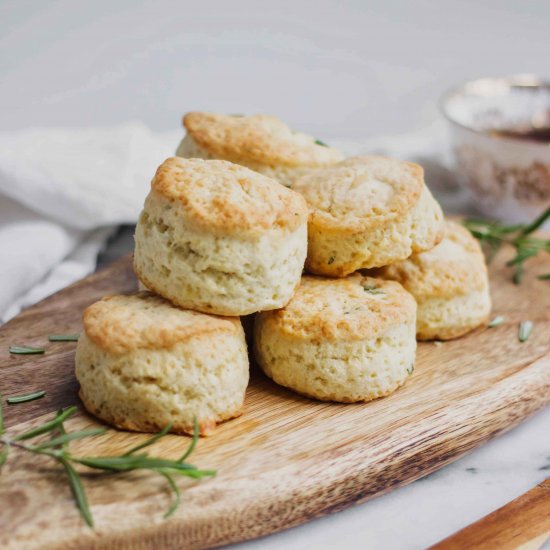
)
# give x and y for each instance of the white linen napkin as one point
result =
(63, 192)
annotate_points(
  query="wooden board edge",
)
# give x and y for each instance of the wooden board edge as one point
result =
(522, 523)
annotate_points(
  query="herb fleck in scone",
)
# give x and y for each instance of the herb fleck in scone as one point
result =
(368, 212)
(450, 284)
(345, 340)
(260, 142)
(143, 363)
(219, 238)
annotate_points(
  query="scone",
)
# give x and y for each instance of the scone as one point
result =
(368, 212)
(343, 340)
(143, 363)
(260, 142)
(219, 238)
(450, 284)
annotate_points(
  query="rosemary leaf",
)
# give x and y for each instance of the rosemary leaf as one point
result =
(544, 277)
(78, 491)
(60, 429)
(518, 274)
(498, 320)
(196, 474)
(2, 430)
(48, 426)
(149, 441)
(65, 438)
(26, 350)
(524, 331)
(24, 398)
(4, 454)
(319, 142)
(194, 441)
(63, 337)
(331, 260)
(371, 289)
(537, 224)
(522, 255)
(133, 462)
(176, 502)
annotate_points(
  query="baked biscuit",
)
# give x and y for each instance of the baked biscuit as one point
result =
(343, 340)
(219, 238)
(450, 284)
(260, 142)
(368, 212)
(143, 363)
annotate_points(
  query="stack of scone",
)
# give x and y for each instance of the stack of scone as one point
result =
(222, 235)
(214, 239)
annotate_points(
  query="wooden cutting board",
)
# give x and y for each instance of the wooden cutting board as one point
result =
(288, 459)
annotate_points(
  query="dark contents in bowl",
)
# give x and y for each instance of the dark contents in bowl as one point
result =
(541, 135)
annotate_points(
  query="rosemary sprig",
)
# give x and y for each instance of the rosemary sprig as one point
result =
(63, 337)
(57, 448)
(26, 350)
(493, 234)
(24, 398)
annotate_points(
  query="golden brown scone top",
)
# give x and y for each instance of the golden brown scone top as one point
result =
(258, 139)
(122, 323)
(217, 195)
(456, 266)
(352, 308)
(361, 192)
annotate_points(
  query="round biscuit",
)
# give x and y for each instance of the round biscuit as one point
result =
(219, 238)
(345, 340)
(143, 363)
(260, 142)
(368, 212)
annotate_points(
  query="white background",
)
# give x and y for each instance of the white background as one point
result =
(348, 69)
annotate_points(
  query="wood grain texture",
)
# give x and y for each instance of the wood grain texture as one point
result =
(288, 459)
(523, 523)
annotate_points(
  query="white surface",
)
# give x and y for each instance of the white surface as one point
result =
(348, 69)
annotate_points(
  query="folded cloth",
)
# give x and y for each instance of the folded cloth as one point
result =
(63, 192)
